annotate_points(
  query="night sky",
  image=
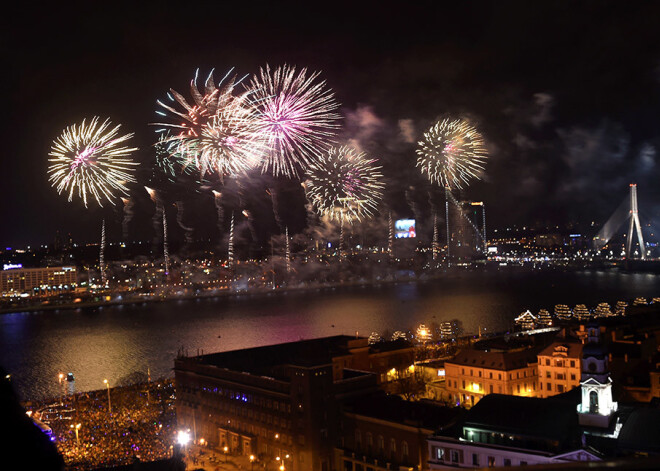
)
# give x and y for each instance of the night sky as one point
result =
(566, 94)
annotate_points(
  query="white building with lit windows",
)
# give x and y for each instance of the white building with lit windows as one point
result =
(560, 367)
(18, 281)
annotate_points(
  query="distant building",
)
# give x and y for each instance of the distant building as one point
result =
(472, 374)
(382, 432)
(282, 399)
(559, 367)
(17, 281)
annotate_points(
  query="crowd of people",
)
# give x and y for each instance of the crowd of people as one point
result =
(139, 427)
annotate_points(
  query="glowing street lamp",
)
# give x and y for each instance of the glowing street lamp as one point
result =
(109, 404)
(183, 437)
(252, 458)
(60, 377)
(76, 428)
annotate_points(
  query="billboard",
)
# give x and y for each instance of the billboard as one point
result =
(404, 229)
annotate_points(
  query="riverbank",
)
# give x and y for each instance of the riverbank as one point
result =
(119, 299)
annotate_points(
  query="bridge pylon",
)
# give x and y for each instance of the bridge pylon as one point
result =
(634, 223)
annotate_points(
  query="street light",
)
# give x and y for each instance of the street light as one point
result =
(61, 377)
(76, 428)
(183, 437)
(109, 404)
(252, 458)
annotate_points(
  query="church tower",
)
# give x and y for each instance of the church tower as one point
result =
(597, 408)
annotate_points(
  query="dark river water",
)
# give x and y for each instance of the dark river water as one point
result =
(121, 342)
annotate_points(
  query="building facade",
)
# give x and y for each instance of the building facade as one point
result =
(276, 401)
(472, 374)
(559, 367)
(38, 281)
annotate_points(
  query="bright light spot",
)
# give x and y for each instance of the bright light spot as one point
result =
(183, 437)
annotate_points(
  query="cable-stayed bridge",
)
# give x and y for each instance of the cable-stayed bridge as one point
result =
(628, 211)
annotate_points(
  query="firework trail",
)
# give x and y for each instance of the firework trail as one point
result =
(435, 235)
(217, 132)
(188, 231)
(296, 114)
(452, 153)
(160, 215)
(156, 219)
(230, 250)
(102, 255)
(288, 250)
(344, 185)
(217, 198)
(166, 251)
(128, 216)
(90, 160)
(390, 238)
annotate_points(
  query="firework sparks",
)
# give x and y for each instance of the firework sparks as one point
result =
(452, 153)
(296, 117)
(90, 159)
(345, 185)
(217, 132)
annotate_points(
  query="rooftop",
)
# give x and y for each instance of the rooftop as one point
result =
(304, 353)
(423, 414)
(641, 432)
(574, 348)
(496, 360)
(547, 419)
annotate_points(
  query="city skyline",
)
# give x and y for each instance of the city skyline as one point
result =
(567, 112)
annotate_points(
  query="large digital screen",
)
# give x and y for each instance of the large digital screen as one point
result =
(404, 229)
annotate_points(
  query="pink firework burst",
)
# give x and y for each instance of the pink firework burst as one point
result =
(296, 117)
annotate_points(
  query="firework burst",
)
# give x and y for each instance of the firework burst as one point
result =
(90, 160)
(452, 153)
(296, 117)
(344, 185)
(216, 132)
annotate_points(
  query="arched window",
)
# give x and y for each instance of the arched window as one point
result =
(593, 402)
(381, 444)
(404, 451)
(358, 440)
(392, 448)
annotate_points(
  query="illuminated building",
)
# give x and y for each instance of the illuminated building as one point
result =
(281, 399)
(18, 281)
(472, 374)
(526, 320)
(559, 367)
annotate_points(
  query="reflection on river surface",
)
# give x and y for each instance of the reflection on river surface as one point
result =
(121, 342)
